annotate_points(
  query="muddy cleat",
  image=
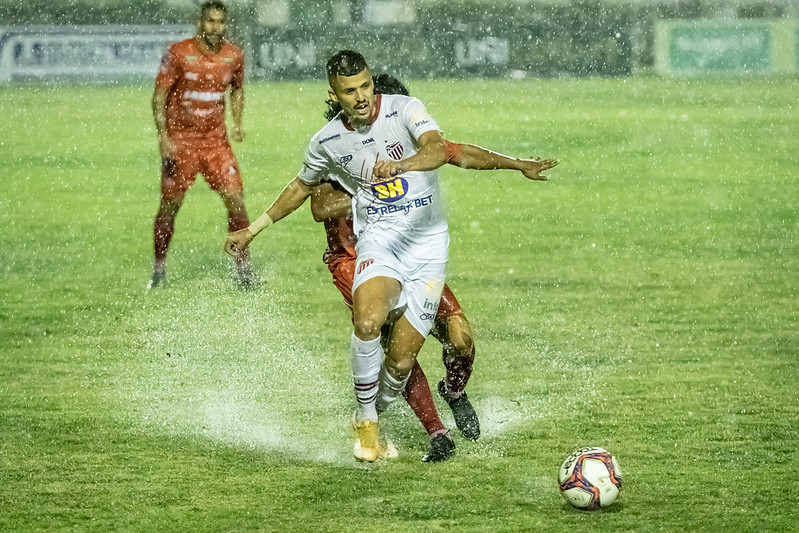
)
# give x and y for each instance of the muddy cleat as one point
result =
(463, 412)
(387, 448)
(441, 448)
(158, 280)
(366, 441)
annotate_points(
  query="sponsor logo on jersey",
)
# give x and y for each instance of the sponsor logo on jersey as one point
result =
(421, 123)
(427, 316)
(202, 96)
(363, 265)
(400, 208)
(360, 145)
(391, 190)
(392, 114)
(191, 59)
(345, 159)
(331, 138)
(192, 76)
(395, 150)
(430, 306)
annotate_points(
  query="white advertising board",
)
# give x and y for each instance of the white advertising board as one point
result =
(84, 52)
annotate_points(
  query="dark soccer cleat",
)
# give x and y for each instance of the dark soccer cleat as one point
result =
(465, 417)
(441, 448)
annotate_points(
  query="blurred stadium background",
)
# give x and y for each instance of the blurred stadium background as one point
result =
(106, 40)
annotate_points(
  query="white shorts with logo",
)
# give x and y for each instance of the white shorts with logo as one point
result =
(422, 282)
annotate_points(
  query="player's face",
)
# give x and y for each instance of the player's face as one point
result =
(212, 27)
(356, 95)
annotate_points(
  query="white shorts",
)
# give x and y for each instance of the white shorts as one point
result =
(422, 283)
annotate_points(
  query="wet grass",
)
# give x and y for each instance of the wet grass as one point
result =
(644, 300)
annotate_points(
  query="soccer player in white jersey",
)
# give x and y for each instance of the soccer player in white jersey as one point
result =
(386, 149)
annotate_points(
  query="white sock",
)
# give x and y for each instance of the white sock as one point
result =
(366, 357)
(390, 389)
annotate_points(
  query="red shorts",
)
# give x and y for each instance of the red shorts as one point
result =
(216, 163)
(342, 267)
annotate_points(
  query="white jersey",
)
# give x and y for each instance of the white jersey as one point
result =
(400, 213)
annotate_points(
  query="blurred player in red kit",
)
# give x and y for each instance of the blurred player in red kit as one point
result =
(189, 112)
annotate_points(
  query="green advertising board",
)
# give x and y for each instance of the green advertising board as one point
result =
(720, 47)
(707, 47)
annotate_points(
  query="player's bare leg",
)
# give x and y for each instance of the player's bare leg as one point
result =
(163, 229)
(372, 302)
(455, 334)
(403, 347)
(417, 390)
(237, 219)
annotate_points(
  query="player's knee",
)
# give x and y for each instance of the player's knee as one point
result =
(170, 206)
(367, 326)
(459, 336)
(399, 368)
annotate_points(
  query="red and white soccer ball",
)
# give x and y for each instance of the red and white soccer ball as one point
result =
(590, 478)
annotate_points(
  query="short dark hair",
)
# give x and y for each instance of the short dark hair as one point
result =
(212, 4)
(345, 63)
(384, 84)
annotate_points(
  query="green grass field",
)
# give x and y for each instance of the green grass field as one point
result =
(645, 299)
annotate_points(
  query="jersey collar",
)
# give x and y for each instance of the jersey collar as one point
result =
(205, 49)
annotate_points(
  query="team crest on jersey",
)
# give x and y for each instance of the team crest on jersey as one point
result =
(391, 190)
(395, 150)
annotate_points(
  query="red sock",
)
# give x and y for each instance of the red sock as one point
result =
(459, 368)
(417, 394)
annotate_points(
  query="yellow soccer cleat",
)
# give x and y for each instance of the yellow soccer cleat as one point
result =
(366, 442)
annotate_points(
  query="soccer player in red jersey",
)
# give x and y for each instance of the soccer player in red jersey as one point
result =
(189, 111)
(332, 206)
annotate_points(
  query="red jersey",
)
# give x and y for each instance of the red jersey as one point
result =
(196, 80)
(340, 241)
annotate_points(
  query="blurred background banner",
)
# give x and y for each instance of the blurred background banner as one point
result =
(727, 47)
(84, 52)
(117, 39)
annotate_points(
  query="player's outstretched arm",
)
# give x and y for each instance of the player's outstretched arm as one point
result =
(474, 157)
(289, 200)
(432, 153)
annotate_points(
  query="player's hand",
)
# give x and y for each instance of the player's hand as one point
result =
(237, 134)
(384, 170)
(237, 241)
(534, 167)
